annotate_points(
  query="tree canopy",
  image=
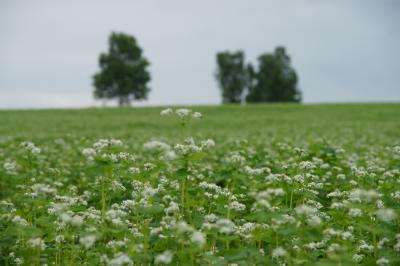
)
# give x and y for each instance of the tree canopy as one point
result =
(275, 81)
(231, 75)
(123, 71)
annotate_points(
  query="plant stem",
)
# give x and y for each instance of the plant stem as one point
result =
(103, 200)
(183, 192)
(291, 199)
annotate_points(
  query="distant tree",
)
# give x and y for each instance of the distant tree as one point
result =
(275, 80)
(123, 71)
(231, 75)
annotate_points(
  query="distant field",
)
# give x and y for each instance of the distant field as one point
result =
(295, 122)
(244, 185)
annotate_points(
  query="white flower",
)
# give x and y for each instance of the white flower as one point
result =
(117, 243)
(246, 228)
(314, 220)
(10, 167)
(307, 165)
(65, 218)
(166, 112)
(335, 194)
(119, 260)
(355, 212)
(380, 204)
(198, 238)
(117, 186)
(60, 239)
(182, 113)
(358, 257)
(36, 243)
(105, 143)
(361, 195)
(208, 143)
(197, 115)
(116, 142)
(19, 220)
(29, 146)
(183, 227)
(305, 210)
(43, 189)
(164, 258)
(395, 195)
(346, 235)
(382, 261)
(87, 241)
(134, 170)
(77, 221)
(386, 215)
(364, 246)
(89, 153)
(225, 226)
(157, 146)
(279, 252)
(237, 206)
(211, 217)
(334, 248)
(19, 261)
(172, 208)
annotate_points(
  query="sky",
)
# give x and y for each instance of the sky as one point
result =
(342, 50)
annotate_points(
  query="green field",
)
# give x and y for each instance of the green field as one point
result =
(243, 185)
(295, 122)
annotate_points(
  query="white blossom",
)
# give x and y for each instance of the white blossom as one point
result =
(164, 258)
(87, 241)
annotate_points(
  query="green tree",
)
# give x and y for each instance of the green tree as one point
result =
(231, 75)
(275, 81)
(123, 71)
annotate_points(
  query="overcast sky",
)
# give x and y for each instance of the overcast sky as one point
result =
(343, 50)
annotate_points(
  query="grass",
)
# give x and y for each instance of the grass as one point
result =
(219, 121)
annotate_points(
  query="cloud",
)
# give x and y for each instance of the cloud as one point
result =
(342, 50)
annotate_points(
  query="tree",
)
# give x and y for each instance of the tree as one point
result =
(123, 71)
(275, 80)
(231, 76)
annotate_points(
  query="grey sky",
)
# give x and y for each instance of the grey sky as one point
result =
(343, 50)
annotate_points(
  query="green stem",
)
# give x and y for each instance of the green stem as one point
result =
(374, 243)
(103, 200)
(291, 199)
(38, 257)
(192, 258)
(145, 241)
(183, 194)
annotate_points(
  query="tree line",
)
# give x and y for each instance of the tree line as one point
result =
(273, 80)
(124, 75)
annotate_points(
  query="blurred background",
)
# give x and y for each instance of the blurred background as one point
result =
(342, 51)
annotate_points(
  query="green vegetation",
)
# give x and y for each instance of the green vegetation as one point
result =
(123, 71)
(272, 80)
(223, 185)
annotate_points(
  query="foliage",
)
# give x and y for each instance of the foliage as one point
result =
(231, 75)
(275, 80)
(123, 71)
(231, 186)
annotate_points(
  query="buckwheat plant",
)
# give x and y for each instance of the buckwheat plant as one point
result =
(185, 200)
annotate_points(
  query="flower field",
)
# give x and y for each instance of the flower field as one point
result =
(230, 185)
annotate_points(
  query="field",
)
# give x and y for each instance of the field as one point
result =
(240, 185)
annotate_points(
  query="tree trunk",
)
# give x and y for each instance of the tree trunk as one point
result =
(124, 101)
(128, 102)
(120, 101)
